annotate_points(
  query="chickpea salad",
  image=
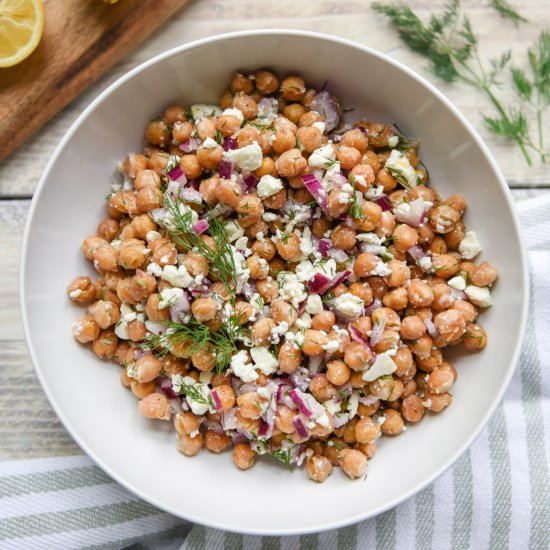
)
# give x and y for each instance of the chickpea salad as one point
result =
(278, 282)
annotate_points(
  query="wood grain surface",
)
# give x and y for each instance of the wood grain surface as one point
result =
(81, 40)
(30, 428)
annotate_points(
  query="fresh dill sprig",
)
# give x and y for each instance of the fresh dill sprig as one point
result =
(285, 456)
(197, 338)
(355, 210)
(196, 393)
(220, 257)
(448, 40)
(507, 11)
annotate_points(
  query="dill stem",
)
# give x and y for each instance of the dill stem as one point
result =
(539, 127)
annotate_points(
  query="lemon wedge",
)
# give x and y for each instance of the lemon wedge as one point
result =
(21, 25)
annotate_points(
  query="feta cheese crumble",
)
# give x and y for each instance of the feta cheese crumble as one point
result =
(247, 158)
(469, 246)
(201, 110)
(458, 283)
(264, 360)
(290, 288)
(268, 185)
(480, 296)
(237, 113)
(242, 367)
(314, 304)
(400, 167)
(322, 157)
(209, 143)
(383, 366)
(169, 297)
(349, 304)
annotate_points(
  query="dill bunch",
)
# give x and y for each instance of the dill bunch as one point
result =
(448, 41)
(220, 258)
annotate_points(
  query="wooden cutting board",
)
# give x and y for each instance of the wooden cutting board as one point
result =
(81, 40)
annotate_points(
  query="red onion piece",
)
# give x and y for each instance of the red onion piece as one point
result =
(158, 214)
(414, 215)
(338, 255)
(190, 195)
(343, 276)
(176, 174)
(301, 429)
(180, 308)
(263, 429)
(216, 399)
(154, 327)
(375, 304)
(432, 330)
(226, 169)
(358, 337)
(340, 419)
(323, 246)
(417, 252)
(326, 105)
(166, 387)
(250, 183)
(213, 425)
(229, 420)
(201, 226)
(313, 185)
(318, 284)
(377, 332)
(384, 203)
(302, 307)
(343, 393)
(229, 144)
(300, 379)
(314, 365)
(281, 391)
(304, 409)
(190, 145)
(458, 294)
(364, 130)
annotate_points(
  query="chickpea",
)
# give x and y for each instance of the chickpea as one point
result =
(133, 164)
(450, 324)
(264, 249)
(131, 257)
(249, 209)
(105, 313)
(321, 388)
(400, 273)
(288, 247)
(362, 290)
(245, 104)
(227, 192)
(142, 224)
(445, 265)
(244, 312)
(267, 288)
(108, 229)
(371, 216)
(203, 360)
(282, 311)
(291, 163)
(406, 367)
(188, 445)
(164, 253)
(457, 202)
(429, 361)
(309, 138)
(363, 177)
(318, 468)
(468, 310)
(475, 338)
(210, 158)
(338, 373)
(172, 365)
(266, 82)
(149, 198)
(136, 331)
(420, 294)
(191, 166)
(422, 347)
(141, 390)
(396, 299)
(441, 380)
(386, 180)
(320, 226)
(438, 246)
(352, 462)
(174, 113)
(105, 345)
(405, 237)
(243, 456)
(187, 423)
(85, 329)
(378, 286)
(284, 419)
(412, 408)
(443, 218)
(205, 128)
(393, 423)
(293, 88)
(454, 237)
(228, 125)
(216, 442)
(204, 309)
(250, 405)
(335, 205)
(366, 430)
(314, 342)
(412, 328)
(240, 83)
(157, 132)
(356, 356)
(323, 321)
(261, 331)
(355, 138)
(225, 394)
(344, 237)
(290, 358)
(365, 264)
(437, 402)
(484, 275)
(155, 405)
(258, 267)
(181, 131)
(293, 111)
(283, 140)
(82, 290)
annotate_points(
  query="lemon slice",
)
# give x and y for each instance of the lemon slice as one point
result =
(21, 24)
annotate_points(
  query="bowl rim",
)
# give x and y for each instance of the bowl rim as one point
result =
(431, 89)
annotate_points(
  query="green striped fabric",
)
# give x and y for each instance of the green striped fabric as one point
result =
(496, 496)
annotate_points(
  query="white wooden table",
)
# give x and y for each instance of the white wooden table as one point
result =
(28, 426)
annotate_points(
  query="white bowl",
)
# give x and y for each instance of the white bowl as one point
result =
(86, 393)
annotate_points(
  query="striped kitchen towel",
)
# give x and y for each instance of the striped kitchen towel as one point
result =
(496, 496)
